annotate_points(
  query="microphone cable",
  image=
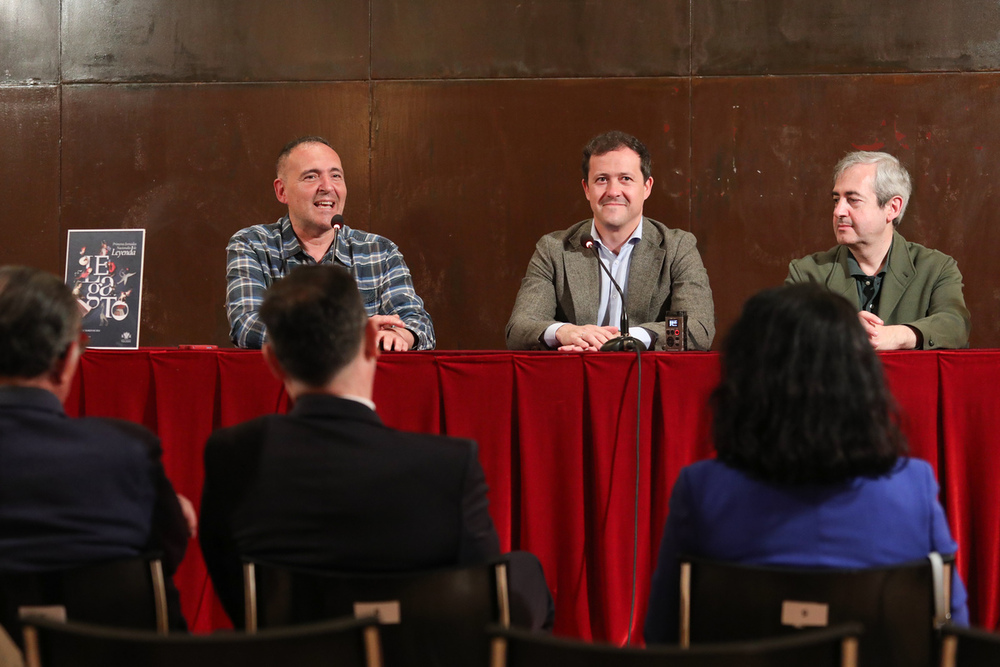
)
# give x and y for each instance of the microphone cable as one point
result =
(635, 532)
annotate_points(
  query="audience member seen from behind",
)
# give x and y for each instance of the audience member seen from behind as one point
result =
(811, 468)
(329, 486)
(72, 491)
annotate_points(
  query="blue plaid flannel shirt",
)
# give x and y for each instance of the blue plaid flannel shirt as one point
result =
(260, 255)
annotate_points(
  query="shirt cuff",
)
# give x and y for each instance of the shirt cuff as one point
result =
(549, 336)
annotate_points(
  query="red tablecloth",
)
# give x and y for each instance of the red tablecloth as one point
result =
(557, 442)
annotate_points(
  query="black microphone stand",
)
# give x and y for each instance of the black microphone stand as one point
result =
(336, 222)
(624, 342)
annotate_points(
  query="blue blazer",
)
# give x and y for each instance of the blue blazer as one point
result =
(722, 513)
(76, 491)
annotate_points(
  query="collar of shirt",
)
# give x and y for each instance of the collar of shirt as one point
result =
(869, 287)
(358, 399)
(290, 246)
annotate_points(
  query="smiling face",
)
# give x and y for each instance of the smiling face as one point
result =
(311, 182)
(858, 220)
(616, 191)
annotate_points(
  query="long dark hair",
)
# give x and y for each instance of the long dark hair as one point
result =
(802, 397)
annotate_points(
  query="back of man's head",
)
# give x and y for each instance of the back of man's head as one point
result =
(39, 320)
(315, 322)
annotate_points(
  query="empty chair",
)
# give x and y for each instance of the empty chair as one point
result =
(127, 593)
(829, 647)
(436, 617)
(968, 647)
(900, 607)
(341, 643)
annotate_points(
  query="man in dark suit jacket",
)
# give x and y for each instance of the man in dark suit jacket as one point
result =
(328, 485)
(72, 491)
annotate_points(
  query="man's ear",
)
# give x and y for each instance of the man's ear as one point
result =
(62, 371)
(271, 359)
(894, 205)
(279, 191)
(369, 346)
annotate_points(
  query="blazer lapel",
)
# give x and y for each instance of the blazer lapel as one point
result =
(841, 281)
(644, 273)
(897, 277)
(582, 278)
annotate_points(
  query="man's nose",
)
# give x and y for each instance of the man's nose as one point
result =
(840, 209)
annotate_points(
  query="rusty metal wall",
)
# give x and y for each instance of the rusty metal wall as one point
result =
(460, 123)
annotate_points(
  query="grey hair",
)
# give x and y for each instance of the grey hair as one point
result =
(891, 178)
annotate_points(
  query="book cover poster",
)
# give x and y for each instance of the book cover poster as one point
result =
(104, 268)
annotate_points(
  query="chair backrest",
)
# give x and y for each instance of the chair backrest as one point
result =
(829, 647)
(969, 647)
(435, 617)
(128, 593)
(343, 642)
(900, 607)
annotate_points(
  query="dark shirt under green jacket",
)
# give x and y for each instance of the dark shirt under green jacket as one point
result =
(922, 288)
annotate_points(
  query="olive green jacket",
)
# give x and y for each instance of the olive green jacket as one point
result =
(922, 288)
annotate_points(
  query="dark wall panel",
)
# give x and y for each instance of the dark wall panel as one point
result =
(29, 177)
(797, 36)
(763, 155)
(192, 165)
(29, 41)
(192, 40)
(487, 38)
(469, 175)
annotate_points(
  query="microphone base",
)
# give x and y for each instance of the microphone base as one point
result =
(624, 344)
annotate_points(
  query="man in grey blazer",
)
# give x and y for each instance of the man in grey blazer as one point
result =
(566, 301)
(908, 296)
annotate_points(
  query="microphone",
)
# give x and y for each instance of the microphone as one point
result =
(336, 222)
(624, 342)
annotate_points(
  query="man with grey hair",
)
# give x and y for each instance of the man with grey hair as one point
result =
(72, 491)
(909, 297)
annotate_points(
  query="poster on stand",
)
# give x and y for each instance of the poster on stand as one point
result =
(104, 269)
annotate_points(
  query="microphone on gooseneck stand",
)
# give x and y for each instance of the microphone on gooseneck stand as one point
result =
(336, 222)
(624, 342)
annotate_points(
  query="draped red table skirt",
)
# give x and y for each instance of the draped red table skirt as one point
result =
(557, 438)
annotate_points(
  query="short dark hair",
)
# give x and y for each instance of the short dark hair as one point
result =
(315, 322)
(39, 319)
(293, 144)
(612, 141)
(802, 397)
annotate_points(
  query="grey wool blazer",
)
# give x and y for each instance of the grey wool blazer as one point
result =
(562, 284)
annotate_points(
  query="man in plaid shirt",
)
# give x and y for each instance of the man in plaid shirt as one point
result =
(310, 180)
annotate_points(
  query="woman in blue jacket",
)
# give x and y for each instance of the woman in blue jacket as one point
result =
(811, 467)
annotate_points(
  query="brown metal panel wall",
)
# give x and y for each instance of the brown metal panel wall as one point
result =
(29, 177)
(429, 39)
(193, 40)
(467, 163)
(192, 165)
(471, 174)
(765, 147)
(29, 42)
(845, 36)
